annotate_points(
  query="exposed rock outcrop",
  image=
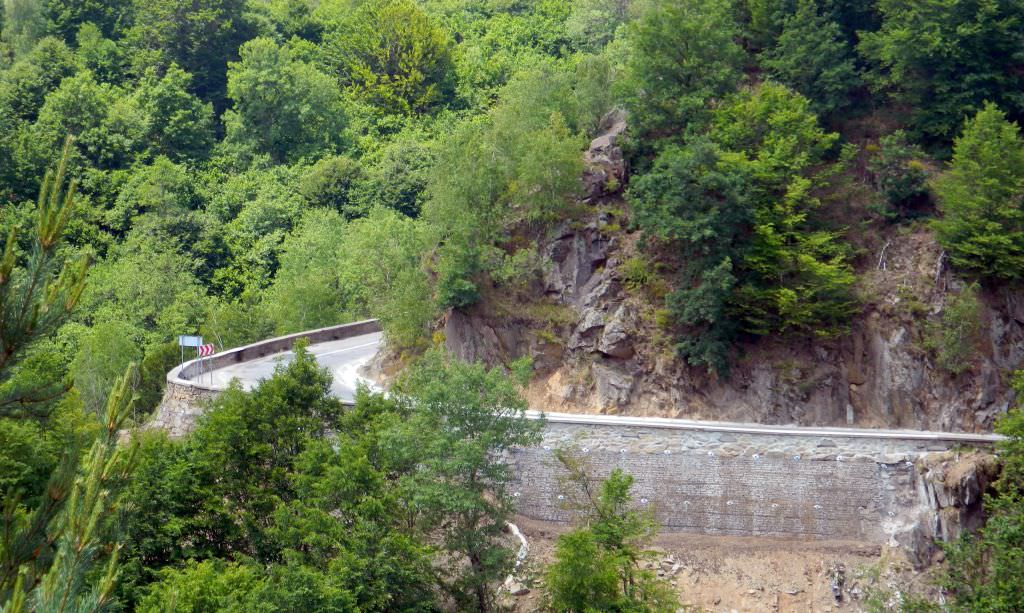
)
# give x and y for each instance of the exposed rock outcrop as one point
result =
(611, 355)
(877, 375)
(604, 171)
(951, 488)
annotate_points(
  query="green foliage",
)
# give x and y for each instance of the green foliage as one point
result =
(898, 172)
(257, 510)
(982, 570)
(283, 107)
(764, 20)
(533, 169)
(81, 107)
(280, 414)
(454, 286)
(147, 284)
(396, 175)
(284, 19)
(465, 417)
(26, 458)
(955, 339)
(981, 198)
(163, 190)
(34, 75)
(592, 23)
(637, 273)
(497, 43)
(380, 262)
(597, 566)
(307, 292)
(236, 323)
(159, 359)
(330, 183)
(812, 57)
(392, 55)
(23, 24)
(682, 54)
(691, 199)
(253, 166)
(885, 601)
(582, 577)
(260, 208)
(61, 555)
(738, 204)
(210, 585)
(179, 124)
(200, 36)
(97, 54)
(945, 58)
(104, 352)
(39, 295)
(799, 279)
(65, 17)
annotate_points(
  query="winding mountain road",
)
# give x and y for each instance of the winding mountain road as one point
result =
(706, 477)
(344, 358)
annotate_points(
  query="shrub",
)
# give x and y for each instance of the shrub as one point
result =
(955, 339)
(899, 174)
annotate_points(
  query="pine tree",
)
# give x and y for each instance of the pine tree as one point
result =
(38, 296)
(48, 555)
(47, 563)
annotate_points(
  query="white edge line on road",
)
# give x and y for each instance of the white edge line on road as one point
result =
(713, 426)
(684, 424)
(346, 349)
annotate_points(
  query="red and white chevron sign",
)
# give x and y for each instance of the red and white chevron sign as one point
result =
(205, 350)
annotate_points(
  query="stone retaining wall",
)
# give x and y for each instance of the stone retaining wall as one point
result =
(715, 483)
(181, 407)
(852, 485)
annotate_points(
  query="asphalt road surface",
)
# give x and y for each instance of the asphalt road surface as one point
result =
(344, 358)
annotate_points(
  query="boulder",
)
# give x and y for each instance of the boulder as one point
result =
(470, 339)
(587, 331)
(616, 340)
(614, 387)
(573, 257)
(604, 167)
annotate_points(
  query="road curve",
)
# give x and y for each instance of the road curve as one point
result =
(345, 357)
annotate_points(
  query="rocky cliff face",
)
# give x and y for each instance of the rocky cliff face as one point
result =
(951, 488)
(607, 354)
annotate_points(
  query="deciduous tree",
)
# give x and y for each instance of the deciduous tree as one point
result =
(394, 56)
(945, 58)
(282, 107)
(463, 419)
(981, 198)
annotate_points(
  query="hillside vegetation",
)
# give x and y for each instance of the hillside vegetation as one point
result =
(244, 168)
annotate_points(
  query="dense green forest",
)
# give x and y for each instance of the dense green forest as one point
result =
(242, 168)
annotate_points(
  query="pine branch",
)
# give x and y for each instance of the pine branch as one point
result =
(37, 297)
(83, 529)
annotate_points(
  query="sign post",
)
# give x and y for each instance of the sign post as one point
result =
(202, 351)
(188, 341)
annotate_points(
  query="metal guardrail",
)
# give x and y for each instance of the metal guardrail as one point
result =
(758, 429)
(183, 374)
